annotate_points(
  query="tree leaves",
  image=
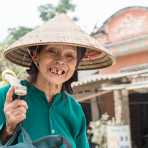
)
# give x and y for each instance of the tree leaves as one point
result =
(48, 11)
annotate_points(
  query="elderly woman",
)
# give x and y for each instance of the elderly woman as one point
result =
(53, 54)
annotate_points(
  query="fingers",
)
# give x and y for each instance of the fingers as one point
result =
(14, 121)
(15, 105)
(9, 96)
(14, 115)
(20, 118)
(15, 110)
(19, 111)
(13, 118)
(19, 103)
(9, 99)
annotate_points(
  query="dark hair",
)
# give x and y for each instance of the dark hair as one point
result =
(33, 71)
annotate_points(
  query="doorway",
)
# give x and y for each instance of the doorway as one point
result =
(139, 119)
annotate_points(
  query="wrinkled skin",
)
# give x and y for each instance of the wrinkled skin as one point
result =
(56, 63)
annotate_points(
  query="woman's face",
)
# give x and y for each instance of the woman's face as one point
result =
(57, 63)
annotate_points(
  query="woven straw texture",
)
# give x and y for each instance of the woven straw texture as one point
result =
(60, 30)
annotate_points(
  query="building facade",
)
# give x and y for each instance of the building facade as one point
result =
(121, 90)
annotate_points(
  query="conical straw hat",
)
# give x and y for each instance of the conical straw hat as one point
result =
(60, 30)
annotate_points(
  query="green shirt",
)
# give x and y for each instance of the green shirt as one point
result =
(63, 116)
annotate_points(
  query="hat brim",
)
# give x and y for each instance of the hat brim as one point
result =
(20, 56)
(67, 33)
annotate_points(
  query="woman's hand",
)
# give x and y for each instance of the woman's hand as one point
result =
(14, 110)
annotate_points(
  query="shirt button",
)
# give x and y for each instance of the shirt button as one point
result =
(53, 131)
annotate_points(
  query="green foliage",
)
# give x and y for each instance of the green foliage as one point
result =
(65, 6)
(48, 11)
(16, 33)
(5, 64)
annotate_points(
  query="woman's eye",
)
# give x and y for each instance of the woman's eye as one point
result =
(52, 51)
(70, 57)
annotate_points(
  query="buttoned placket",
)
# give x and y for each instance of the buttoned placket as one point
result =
(51, 105)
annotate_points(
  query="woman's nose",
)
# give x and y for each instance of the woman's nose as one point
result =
(60, 62)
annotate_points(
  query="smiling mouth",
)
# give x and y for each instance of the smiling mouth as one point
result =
(57, 71)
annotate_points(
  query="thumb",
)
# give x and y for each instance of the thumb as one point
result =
(9, 96)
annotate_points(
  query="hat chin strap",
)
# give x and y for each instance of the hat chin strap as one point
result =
(36, 63)
(33, 55)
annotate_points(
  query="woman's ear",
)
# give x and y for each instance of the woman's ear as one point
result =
(34, 54)
(36, 62)
(35, 58)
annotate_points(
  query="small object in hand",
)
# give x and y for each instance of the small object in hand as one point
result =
(20, 90)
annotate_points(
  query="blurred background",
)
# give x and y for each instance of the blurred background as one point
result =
(117, 94)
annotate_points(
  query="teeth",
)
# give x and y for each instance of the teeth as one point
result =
(51, 70)
(57, 71)
(54, 70)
